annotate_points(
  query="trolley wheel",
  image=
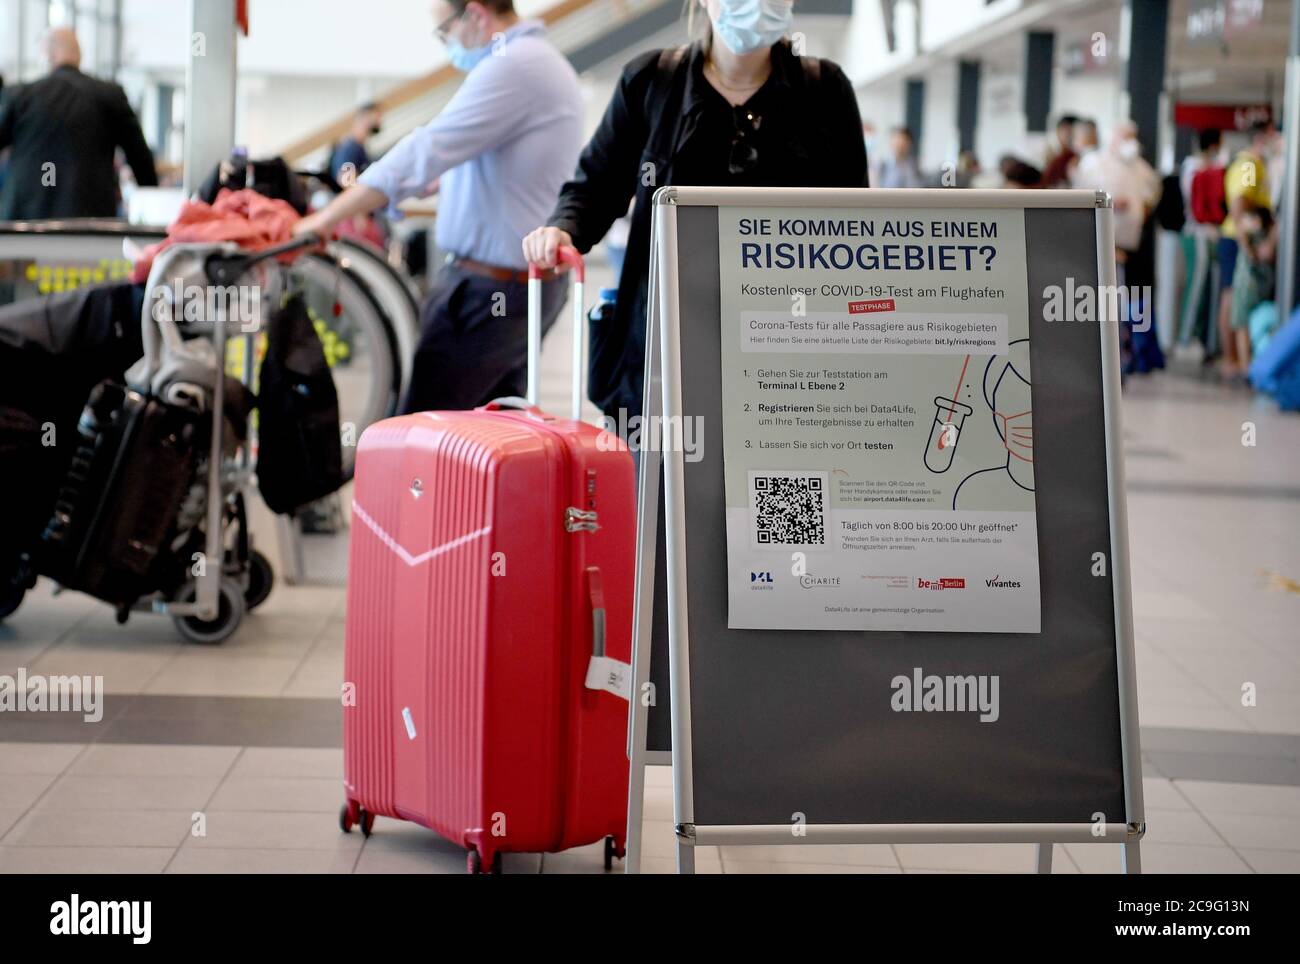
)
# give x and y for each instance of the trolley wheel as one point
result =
(366, 821)
(612, 850)
(261, 579)
(473, 863)
(345, 818)
(209, 632)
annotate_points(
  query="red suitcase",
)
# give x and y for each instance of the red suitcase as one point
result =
(491, 559)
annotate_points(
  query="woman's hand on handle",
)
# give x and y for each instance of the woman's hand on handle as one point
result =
(541, 247)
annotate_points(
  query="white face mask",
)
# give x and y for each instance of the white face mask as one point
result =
(749, 25)
(1128, 150)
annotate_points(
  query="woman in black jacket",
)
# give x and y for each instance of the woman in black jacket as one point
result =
(737, 107)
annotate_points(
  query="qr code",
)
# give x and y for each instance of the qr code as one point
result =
(789, 510)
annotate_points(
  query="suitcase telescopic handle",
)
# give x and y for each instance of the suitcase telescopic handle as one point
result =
(596, 596)
(565, 254)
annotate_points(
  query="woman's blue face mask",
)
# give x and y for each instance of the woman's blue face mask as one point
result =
(749, 25)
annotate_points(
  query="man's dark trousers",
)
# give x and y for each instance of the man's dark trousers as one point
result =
(474, 340)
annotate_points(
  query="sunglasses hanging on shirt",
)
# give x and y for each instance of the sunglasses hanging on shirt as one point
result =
(744, 147)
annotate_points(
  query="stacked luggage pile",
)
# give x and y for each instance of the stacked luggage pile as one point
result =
(125, 448)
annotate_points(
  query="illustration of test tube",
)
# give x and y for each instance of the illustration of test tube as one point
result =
(949, 415)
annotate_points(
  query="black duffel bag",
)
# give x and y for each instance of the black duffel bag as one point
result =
(300, 456)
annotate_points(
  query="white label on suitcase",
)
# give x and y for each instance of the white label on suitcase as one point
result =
(610, 675)
(410, 723)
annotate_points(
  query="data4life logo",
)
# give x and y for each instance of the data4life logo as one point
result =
(760, 582)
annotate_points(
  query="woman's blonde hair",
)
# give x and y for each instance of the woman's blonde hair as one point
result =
(695, 30)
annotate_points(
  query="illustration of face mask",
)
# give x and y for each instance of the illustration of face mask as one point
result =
(1009, 396)
(1017, 431)
(749, 25)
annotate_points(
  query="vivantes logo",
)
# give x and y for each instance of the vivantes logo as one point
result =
(997, 582)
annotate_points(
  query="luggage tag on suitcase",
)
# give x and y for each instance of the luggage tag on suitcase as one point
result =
(611, 675)
(604, 672)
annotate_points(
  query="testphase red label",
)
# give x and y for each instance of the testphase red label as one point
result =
(878, 304)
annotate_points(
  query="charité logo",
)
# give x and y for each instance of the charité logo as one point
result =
(809, 581)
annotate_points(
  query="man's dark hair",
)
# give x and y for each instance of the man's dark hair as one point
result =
(367, 108)
(900, 129)
(1209, 138)
(1067, 119)
(495, 6)
(1261, 127)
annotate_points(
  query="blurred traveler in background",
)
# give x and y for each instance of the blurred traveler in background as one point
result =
(1061, 156)
(968, 171)
(64, 130)
(1134, 188)
(1254, 280)
(1132, 183)
(736, 107)
(1017, 173)
(1246, 189)
(1203, 186)
(898, 168)
(499, 152)
(1086, 145)
(350, 157)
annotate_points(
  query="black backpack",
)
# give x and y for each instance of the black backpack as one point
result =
(300, 457)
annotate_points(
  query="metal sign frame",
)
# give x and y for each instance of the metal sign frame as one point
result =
(663, 397)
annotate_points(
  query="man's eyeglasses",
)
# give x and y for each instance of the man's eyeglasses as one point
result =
(744, 152)
(440, 31)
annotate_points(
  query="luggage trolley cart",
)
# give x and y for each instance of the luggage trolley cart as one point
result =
(210, 604)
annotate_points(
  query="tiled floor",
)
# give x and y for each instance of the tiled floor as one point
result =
(227, 759)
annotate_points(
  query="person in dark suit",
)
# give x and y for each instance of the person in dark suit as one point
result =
(63, 130)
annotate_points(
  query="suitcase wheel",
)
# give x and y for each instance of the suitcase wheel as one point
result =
(474, 863)
(351, 815)
(613, 850)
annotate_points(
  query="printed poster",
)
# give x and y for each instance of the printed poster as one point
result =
(878, 420)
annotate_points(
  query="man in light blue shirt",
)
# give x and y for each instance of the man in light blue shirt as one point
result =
(497, 154)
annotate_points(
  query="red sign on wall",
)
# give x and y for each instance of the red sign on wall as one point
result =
(1224, 117)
